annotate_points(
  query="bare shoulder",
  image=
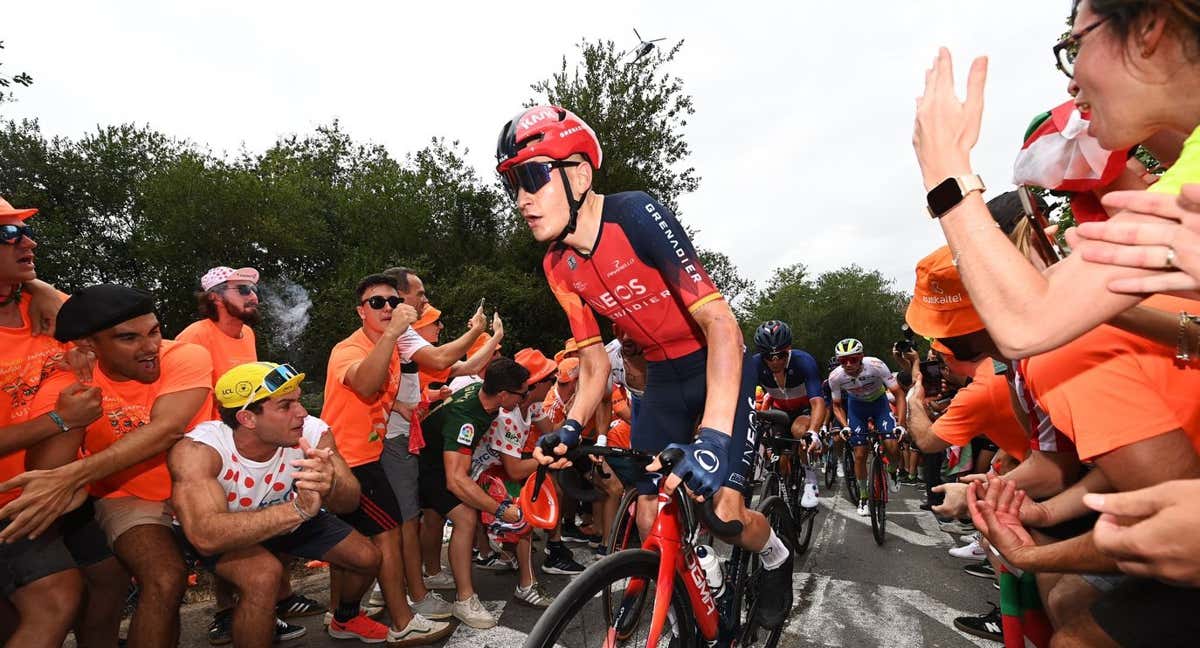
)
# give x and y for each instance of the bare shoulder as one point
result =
(191, 459)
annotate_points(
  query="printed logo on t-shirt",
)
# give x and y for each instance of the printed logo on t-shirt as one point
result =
(466, 434)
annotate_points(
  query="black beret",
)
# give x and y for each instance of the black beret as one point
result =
(99, 307)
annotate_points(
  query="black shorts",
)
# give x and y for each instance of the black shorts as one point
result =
(1145, 612)
(25, 561)
(311, 540)
(83, 536)
(378, 510)
(432, 490)
(671, 408)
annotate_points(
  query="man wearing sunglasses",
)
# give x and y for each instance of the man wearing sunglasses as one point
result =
(153, 391)
(361, 384)
(866, 382)
(452, 431)
(626, 257)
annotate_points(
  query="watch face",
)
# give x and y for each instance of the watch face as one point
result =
(944, 197)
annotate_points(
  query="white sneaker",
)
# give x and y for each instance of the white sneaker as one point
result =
(893, 483)
(376, 596)
(970, 552)
(534, 595)
(472, 613)
(809, 499)
(862, 509)
(418, 632)
(433, 606)
(969, 538)
(441, 580)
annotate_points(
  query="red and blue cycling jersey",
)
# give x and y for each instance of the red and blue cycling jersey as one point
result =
(802, 381)
(642, 273)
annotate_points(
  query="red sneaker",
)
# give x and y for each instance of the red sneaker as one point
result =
(361, 627)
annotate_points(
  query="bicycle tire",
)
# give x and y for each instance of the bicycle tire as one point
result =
(848, 471)
(780, 518)
(830, 468)
(877, 501)
(554, 623)
(803, 519)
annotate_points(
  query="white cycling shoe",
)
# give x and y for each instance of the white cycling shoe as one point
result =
(862, 509)
(809, 498)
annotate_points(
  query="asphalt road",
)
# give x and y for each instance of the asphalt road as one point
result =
(849, 592)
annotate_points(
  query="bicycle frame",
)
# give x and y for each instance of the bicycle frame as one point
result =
(666, 538)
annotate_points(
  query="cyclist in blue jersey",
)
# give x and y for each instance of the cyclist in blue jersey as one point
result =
(791, 382)
(624, 256)
(862, 384)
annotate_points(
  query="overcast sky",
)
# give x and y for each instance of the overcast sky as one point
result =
(804, 110)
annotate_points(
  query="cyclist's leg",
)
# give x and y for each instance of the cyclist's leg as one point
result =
(856, 415)
(730, 501)
(663, 418)
(885, 425)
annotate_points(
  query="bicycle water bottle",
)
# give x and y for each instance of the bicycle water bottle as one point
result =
(712, 569)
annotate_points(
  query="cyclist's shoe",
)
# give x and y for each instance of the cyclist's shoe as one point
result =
(981, 570)
(472, 613)
(893, 483)
(970, 552)
(862, 508)
(775, 593)
(560, 560)
(496, 561)
(441, 580)
(419, 632)
(809, 499)
(988, 626)
(361, 627)
(534, 596)
(433, 606)
(298, 605)
(220, 631)
(285, 631)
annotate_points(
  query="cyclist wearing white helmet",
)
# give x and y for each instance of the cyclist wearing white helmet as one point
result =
(866, 382)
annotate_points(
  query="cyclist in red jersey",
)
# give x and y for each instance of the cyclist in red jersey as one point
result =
(625, 256)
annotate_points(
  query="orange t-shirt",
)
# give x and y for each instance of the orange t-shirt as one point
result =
(1108, 389)
(127, 405)
(984, 407)
(26, 362)
(358, 425)
(226, 352)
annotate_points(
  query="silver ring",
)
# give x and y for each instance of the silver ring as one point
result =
(1169, 262)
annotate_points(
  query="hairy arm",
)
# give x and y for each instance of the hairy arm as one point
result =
(203, 513)
(368, 376)
(458, 480)
(517, 469)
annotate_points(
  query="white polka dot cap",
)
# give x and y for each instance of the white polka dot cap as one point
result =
(221, 274)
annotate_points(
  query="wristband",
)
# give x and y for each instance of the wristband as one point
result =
(303, 516)
(58, 420)
(499, 514)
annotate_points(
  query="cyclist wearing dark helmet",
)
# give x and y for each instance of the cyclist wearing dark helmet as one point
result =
(626, 257)
(791, 380)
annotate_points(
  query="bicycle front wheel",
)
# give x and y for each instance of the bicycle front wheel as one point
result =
(578, 618)
(877, 503)
(848, 472)
(830, 467)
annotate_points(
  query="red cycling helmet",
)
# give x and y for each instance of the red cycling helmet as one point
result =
(554, 132)
(548, 131)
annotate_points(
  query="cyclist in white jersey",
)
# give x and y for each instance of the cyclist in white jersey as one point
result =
(866, 381)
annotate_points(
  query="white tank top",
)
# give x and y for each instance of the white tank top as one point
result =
(251, 485)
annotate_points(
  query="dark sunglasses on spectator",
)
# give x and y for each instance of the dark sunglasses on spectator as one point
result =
(962, 347)
(522, 394)
(378, 301)
(776, 355)
(245, 290)
(11, 234)
(530, 176)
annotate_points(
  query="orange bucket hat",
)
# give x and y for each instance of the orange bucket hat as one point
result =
(538, 364)
(940, 306)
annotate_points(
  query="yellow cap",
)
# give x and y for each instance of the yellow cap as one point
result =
(255, 381)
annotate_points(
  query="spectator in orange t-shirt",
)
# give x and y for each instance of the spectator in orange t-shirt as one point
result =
(37, 576)
(153, 391)
(228, 303)
(361, 384)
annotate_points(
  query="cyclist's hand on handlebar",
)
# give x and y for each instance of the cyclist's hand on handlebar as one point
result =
(703, 467)
(551, 447)
(900, 433)
(814, 442)
(844, 433)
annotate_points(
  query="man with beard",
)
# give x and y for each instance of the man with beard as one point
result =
(228, 302)
(152, 392)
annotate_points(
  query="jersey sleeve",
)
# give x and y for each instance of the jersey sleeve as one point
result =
(584, 327)
(47, 395)
(812, 375)
(187, 366)
(835, 384)
(666, 245)
(885, 374)
(409, 343)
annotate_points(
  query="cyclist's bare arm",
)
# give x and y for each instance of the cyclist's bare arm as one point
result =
(901, 405)
(839, 412)
(724, 369)
(594, 369)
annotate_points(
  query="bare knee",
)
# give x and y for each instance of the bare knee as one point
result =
(260, 582)
(50, 602)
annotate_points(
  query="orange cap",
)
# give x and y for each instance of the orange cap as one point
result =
(478, 343)
(568, 370)
(941, 307)
(539, 365)
(431, 315)
(8, 210)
